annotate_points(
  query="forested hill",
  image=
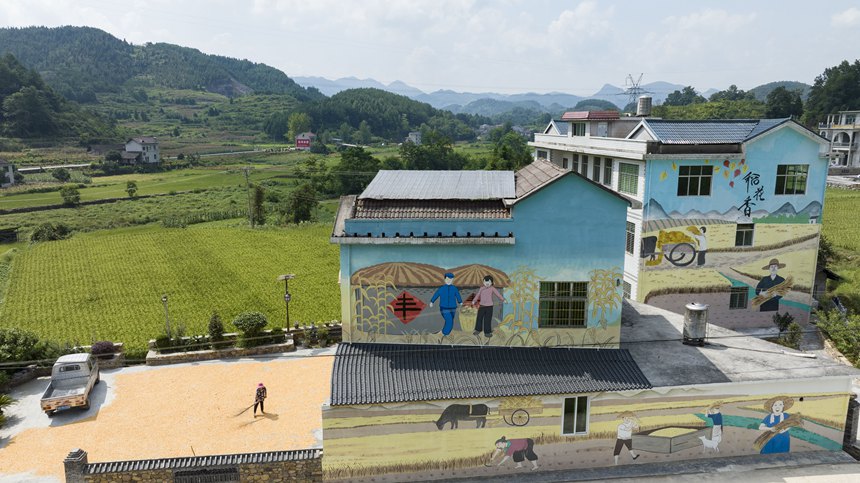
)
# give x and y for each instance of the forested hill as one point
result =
(79, 62)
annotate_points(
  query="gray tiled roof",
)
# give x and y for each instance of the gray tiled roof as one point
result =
(440, 185)
(430, 209)
(535, 175)
(385, 373)
(717, 131)
(202, 461)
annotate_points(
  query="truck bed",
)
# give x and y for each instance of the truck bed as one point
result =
(54, 392)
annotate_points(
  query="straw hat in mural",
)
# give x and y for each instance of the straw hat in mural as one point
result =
(773, 261)
(715, 404)
(401, 274)
(473, 275)
(786, 401)
(628, 414)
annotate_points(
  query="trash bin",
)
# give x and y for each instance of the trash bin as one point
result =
(695, 324)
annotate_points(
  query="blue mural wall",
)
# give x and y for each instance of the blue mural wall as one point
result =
(744, 249)
(569, 231)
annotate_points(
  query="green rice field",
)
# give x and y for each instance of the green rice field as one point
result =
(107, 285)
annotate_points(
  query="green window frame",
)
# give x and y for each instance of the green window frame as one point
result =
(562, 304)
(791, 179)
(628, 178)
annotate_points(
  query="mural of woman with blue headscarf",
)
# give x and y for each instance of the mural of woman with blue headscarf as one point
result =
(449, 299)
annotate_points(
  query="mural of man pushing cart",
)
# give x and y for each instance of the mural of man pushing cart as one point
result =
(680, 247)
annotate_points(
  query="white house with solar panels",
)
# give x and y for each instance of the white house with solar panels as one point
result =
(726, 212)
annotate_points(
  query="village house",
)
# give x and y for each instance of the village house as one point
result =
(141, 150)
(304, 140)
(485, 334)
(843, 131)
(728, 210)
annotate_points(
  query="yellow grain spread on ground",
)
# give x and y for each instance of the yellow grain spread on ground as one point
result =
(671, 432)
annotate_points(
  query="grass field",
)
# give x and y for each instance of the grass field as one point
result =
(107, 285)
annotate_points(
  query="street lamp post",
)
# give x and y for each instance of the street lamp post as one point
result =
(286, 278)
(166, 314)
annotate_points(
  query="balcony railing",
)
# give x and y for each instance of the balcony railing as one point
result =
(848, 146)
(609, 146)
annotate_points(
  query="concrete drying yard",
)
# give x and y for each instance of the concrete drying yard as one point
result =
(171, 411)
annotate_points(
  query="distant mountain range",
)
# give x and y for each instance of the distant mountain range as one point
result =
(477, 102)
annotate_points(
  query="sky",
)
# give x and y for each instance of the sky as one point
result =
(506, 46)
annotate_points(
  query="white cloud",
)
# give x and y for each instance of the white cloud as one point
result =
(848, 18)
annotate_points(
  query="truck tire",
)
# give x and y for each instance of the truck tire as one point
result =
(50, 414)
(86, 405)
(98, 378)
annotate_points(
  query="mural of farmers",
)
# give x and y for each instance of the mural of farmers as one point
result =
(716, 417)
(775, 425)
(701, 241)
(771, 288)
(449, 299)
(484, 302)
(519, 449)
(629, 423)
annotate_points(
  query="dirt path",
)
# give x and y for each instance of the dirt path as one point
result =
(180, 411)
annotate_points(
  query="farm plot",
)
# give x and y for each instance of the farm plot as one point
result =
(108, 285)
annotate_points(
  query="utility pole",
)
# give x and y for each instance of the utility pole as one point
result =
(287, 297)
(247, 170)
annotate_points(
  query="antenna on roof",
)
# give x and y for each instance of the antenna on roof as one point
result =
(632, 88)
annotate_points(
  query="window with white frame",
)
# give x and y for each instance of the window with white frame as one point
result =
(695, 180)
(542, 154)
(574, 419)
(627, 289)
(628, 178)
(744, 234)
(738, 298)
(577, 128)
(791, 179)
(584, 171)
(631, 237)
(595, 170)
(562, 304)
(607, 171)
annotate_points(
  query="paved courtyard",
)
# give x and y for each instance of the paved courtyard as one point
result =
(171, 411)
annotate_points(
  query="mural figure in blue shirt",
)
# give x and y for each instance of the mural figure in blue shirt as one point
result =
(449, 299)
(780, 442)
(767, 284)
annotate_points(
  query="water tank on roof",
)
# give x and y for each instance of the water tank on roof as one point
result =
(643, 107)
(695, 324)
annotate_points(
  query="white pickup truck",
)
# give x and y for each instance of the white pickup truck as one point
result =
(72, 378)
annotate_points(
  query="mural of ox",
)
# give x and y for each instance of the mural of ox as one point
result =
(466, 412)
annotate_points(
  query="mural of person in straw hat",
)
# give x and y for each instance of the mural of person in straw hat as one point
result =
(716, 416)
(768, 282)
(624, 435)
(780, 442)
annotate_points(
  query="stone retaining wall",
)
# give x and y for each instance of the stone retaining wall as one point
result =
(154, 358)
(303, 466)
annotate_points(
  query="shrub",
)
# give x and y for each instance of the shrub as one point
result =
(250, 324)
(50, 232)
(322, 335)
(71, 195)
(102, 347)
(844, 331)
(794, 336)
(62, 175)
(782, 321)
(19, 345)
(216, 331)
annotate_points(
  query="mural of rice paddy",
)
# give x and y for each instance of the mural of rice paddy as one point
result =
(470, 438)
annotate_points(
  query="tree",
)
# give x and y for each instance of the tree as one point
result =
(301, 204)
(62, 174)
(782, 102)
(356, 169)
(131, 188)
(837, 89)
(71, 195)
(732, 94)
(258, 212)
(511, 152)
(29, 113)
(435, 152)
(364, 134)
(298, 123)
(683, 97)
(318, 146)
